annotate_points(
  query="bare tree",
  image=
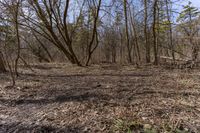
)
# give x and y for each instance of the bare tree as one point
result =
(16, 23)
(147, 44)
(52, 20)
(170, 28)
(127, 32)
(94, 31)
(155, 43)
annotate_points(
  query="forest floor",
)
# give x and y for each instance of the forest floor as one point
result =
(100, 98)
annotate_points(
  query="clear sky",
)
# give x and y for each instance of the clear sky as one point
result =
(195, 3)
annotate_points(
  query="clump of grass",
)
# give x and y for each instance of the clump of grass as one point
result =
(170, 129)
(187, 82)
(123, 126)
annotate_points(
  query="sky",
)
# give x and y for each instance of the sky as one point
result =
(178, 6)
(195, 3)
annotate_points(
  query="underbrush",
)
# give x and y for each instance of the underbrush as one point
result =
(136, 126)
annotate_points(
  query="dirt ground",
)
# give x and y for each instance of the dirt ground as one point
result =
(101, 98)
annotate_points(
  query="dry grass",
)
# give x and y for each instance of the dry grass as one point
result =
(100, 98)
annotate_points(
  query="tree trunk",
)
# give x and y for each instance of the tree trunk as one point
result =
(18, 41)
(94, 34)
(147, 44)
(46, 26)
(2, 65)
(127, 33)
(170, 31)
(43, 46)
(135, 36)
(154, 33)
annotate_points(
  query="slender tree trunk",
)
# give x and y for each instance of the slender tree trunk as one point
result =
(170, 31)
(195, 48)
(135, 36)
(43, 46)
(18, 37)
(147, 44)
(94, 35)
(154, 33)
(10, 68)
(127, 32)
(121, 46)
(2, 65)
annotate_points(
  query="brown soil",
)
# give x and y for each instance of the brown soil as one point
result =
(65, 98)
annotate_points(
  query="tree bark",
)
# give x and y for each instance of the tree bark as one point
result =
(155, 32)
(135, 36)
(18, 37)
(127, 32)
(170, 31)
(94, 35)
(2, 64)
(43, 46)
(147, 44)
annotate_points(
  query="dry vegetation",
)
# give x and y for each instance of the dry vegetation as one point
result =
(100, 98)
(99, 66)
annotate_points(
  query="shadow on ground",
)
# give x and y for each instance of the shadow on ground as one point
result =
(19, 128)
